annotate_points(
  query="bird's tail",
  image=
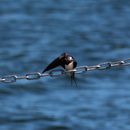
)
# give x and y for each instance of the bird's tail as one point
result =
(73, 79)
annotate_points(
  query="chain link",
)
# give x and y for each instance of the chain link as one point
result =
(33, 76)
(61, 72)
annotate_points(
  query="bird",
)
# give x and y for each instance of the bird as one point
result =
(67, 62)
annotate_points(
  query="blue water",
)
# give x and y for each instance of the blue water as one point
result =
(33, 33)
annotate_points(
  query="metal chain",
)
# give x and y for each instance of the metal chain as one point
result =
(61, 72)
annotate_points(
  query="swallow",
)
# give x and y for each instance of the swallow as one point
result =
(67, 62)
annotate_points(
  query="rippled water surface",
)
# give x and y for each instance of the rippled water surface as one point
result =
(34, 32)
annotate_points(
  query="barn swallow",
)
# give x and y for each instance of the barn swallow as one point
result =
(67, 62)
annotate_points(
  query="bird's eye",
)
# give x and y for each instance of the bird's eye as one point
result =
(70, 58)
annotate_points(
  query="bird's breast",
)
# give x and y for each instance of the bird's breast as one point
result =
(70, 66)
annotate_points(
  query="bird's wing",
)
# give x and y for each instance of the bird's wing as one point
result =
(54, 63)
(75, 63)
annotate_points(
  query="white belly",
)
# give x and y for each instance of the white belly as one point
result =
(69, 66)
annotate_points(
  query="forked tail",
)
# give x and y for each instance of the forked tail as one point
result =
(73, 79)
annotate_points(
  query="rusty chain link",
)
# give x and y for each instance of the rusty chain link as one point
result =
(61, 72)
